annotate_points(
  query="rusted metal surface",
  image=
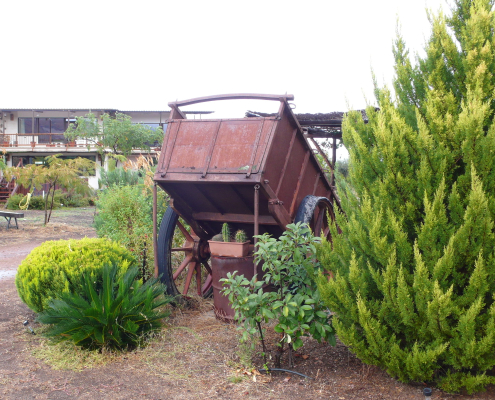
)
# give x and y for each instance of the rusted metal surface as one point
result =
(287, 158)
(212, 166)
(299, 181)
(221, 266)
(212, 147)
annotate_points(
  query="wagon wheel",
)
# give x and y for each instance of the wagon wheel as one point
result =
(313, 211)
(183, 258)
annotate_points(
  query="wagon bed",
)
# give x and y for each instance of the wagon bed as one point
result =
(258, 174)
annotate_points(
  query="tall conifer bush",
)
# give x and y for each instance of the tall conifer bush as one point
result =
(414, 267)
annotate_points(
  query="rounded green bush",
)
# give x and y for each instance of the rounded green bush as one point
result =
(56, 266)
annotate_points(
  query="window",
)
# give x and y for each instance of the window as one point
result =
(45, 127)
(26, 125)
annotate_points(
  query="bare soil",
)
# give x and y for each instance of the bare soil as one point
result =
(194, 357)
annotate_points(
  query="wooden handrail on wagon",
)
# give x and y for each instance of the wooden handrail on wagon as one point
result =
(178, 114)
(235, 96)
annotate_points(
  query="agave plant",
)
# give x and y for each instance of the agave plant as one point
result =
(120, 315)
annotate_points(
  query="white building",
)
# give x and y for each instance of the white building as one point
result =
(29, 135)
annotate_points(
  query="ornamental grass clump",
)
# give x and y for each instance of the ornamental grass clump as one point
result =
(54, 268)
(119, 315)
(414, 267)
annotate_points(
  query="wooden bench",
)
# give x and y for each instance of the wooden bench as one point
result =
(8, 215)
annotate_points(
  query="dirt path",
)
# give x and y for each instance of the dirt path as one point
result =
(11, 257)
(16, 244)
(195, 356)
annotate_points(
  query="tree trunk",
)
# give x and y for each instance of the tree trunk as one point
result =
(46, 206)
(51, 205)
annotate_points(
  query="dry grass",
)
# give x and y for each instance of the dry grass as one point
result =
(67, 356)
(201, 354)
(194, 352)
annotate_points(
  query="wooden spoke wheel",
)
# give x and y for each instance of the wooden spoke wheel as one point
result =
(183, 258)
(313, 211)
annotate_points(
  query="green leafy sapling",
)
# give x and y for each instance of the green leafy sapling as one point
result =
(288, 264)
(252, 306)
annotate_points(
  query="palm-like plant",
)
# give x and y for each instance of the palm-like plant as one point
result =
(120, 315)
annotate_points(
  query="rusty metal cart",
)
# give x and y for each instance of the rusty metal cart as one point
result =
(258, 174)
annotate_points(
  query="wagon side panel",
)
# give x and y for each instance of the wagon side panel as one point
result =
(279, 156)
(240, 145)
(293, 179)
(190, 147)
(208, 147)
(291, 167)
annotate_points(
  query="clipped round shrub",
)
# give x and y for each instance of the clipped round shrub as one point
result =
(55, 267)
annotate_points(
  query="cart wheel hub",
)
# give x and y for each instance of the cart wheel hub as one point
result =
(200, 250)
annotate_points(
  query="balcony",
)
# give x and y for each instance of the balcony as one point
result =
(48, 140)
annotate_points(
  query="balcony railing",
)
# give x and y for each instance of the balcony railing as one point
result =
(40, 139)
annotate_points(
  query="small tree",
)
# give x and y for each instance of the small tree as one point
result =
(117, 133)
(415, 263)
(288, 264)
(55, 172)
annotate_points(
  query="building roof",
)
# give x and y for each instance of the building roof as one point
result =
(80, 109)
(319, 125)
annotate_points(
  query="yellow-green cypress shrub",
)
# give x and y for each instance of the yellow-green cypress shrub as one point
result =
(414, 267)
(56, 266)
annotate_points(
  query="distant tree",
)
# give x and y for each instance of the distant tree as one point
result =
(342, 167)
(55, 172)
(117, 133)
(414, 267)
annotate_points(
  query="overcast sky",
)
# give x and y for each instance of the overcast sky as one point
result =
(140, 55)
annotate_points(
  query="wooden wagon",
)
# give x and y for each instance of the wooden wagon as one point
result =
(258, 174)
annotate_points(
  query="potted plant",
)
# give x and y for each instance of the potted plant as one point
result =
(228, 248)
(4, 141)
